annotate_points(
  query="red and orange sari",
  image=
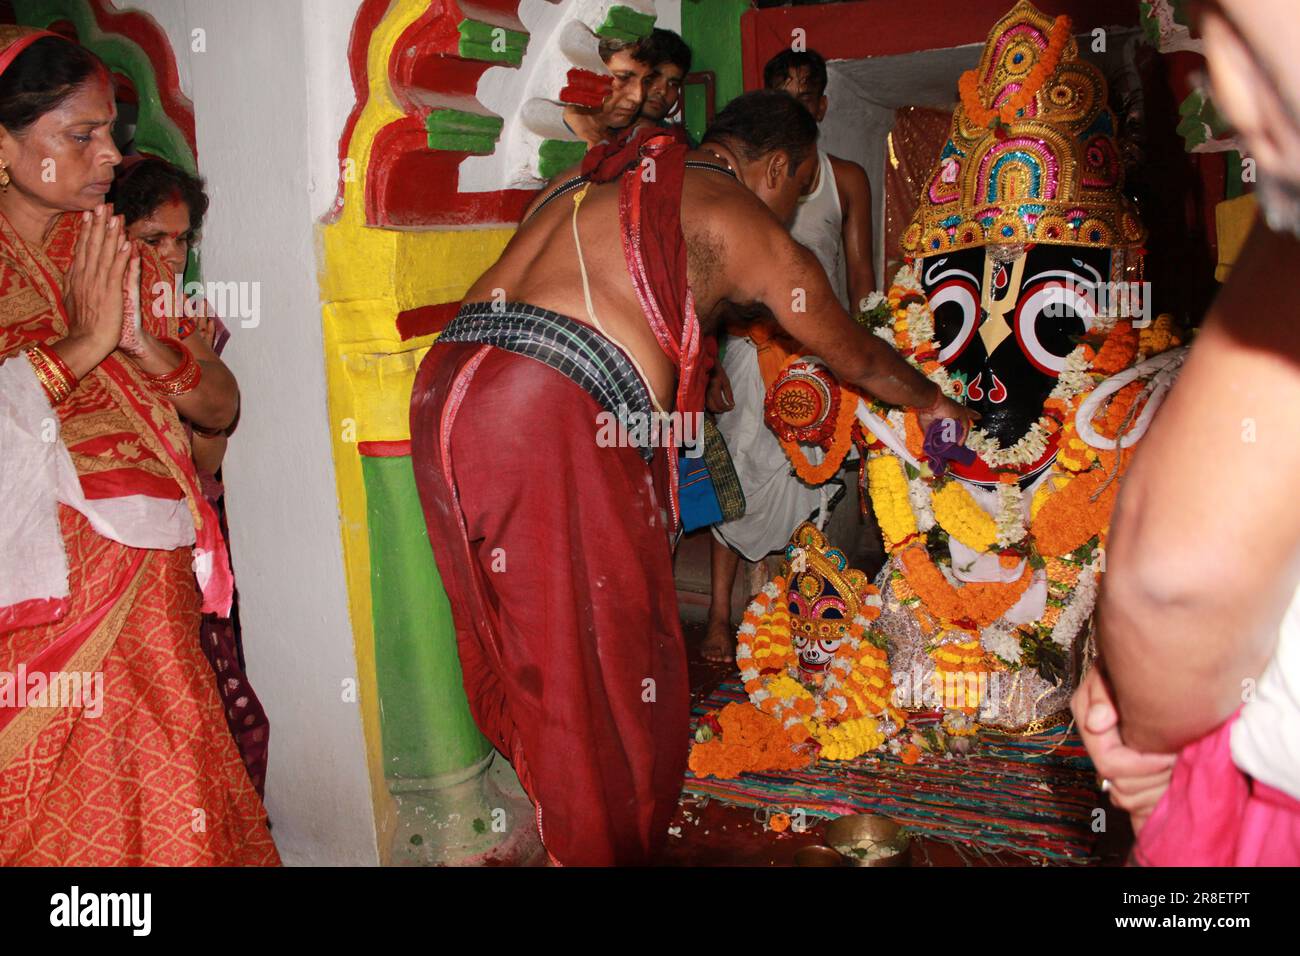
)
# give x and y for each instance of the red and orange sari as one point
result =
(149, 775)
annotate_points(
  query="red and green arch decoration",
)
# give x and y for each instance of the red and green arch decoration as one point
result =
(138, 52)
(434, 70)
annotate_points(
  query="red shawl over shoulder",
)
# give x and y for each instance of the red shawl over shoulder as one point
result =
(652, 166)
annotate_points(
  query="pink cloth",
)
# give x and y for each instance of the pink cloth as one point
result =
(1215, 815)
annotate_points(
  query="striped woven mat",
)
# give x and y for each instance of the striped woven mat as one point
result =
(1028, 797)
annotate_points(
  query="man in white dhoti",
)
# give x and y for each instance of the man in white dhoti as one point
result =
(834, 222)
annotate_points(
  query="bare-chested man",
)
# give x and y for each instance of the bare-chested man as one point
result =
(553, 544)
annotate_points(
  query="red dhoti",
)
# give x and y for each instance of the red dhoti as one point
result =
(555, 556)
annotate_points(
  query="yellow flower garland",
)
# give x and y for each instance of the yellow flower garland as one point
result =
(849, 739)
(888, 483)
(959, 514)
(840, 720)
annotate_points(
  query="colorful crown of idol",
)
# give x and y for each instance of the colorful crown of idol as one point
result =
(1032, 154)
(825, 594)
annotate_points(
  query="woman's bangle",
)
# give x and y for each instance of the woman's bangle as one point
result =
(54, 375)
(182, 379)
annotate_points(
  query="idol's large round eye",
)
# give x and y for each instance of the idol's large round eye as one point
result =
(829, 647)
(1050, 317)
(956, 307)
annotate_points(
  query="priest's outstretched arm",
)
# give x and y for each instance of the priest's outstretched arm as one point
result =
(763, 264)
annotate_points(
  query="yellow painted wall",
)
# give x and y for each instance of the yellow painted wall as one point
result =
(369, 275)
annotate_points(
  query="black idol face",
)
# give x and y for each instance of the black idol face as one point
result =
(1005, 328)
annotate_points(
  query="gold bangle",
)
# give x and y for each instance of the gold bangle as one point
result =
(54, 375)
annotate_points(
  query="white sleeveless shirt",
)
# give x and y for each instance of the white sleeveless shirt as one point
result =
(819, 225)
(1266, 737)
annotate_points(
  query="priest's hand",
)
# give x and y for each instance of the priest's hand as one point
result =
(719, 398)
(945, 407)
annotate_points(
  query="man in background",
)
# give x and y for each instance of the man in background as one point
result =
(671, 59)
(834, 222)
(631, 71)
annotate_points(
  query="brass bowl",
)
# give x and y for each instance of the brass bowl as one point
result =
(819, 856)
(886, 842)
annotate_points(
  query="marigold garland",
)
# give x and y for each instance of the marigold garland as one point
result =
(959, 514)
(750, 741)
(1118, 351)
(889, 499)
(974, 605)
(1070, 518)
(958, 666)
(968, 84)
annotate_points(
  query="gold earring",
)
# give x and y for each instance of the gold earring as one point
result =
(4, 176)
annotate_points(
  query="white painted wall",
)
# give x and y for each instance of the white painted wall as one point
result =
(668, 15)
(271, 93)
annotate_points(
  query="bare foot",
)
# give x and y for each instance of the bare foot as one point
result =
(719, 646)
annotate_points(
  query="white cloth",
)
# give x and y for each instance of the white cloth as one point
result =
(978, 567)
(1266, 737)
(819, 225)
(36, 474)
(776, 501)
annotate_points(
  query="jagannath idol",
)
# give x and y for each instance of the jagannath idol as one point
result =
(995, 544)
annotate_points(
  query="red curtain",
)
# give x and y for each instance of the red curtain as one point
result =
(913, 148)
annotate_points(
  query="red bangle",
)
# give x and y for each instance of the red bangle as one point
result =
(182, 379)
(54, 375)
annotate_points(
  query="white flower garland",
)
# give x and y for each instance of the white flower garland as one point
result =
(1001, 640)
(1082, 599)
(1010, 518)
(918, 495)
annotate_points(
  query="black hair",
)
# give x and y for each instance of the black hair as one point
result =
(765, 121)
(664, 46)
(41, 78)
(609, 46)
(151, 182)
(787, 61)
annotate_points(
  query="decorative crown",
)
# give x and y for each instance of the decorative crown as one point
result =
(825, 594)
(1032, 155)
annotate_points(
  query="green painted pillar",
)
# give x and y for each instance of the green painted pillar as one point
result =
(711, 28)
(436, 762)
